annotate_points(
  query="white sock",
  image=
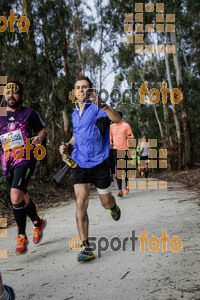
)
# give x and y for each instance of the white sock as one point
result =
(4, 296)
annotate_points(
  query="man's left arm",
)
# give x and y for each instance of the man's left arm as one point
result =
(112, 114)
(129, 133)
(38, 127)
(37, 140)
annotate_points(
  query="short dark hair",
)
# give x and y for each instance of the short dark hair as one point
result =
(120, 112)
(82, 77)
(145, 135)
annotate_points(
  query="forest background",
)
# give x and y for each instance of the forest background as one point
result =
(66, 39)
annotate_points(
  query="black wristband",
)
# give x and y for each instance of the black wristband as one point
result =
(104, 106)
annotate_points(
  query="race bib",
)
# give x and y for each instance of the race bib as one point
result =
(11, 139)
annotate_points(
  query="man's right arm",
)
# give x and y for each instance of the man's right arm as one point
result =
(64, 147)
(71, 142)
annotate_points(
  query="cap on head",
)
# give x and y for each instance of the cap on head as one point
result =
(120, 112)
(15, 86)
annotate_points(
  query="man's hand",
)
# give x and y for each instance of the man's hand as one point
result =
(63, 148)
(93, 97)
(36, 140)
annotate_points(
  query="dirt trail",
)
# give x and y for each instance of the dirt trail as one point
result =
(51, 271)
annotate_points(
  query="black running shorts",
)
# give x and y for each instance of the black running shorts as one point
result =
(144, 158)
(99, 175)
(20, 178)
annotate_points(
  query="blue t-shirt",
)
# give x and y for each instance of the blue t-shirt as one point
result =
(91, 147)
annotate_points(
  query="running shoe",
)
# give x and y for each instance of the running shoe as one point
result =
(142, 174)
(22, 243)
(116, 213)
(146, 179)
(38, 232)
(120, 194)
(126, 191)
(11, 294)
(85, 254)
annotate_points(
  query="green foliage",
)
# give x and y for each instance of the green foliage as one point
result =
(47, 61)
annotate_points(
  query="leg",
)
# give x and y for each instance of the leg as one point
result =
(6, 292)
(1, 286)
(18, 204)
(101, 181)
(21, 180)
(82, 191)
(31, 211)
(107, 200)
(119, 181)
(26, 198)
(112, 165)
(119, 184)
(146, 171)
(126, 190)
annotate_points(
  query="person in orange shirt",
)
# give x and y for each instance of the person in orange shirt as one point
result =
(119, 135)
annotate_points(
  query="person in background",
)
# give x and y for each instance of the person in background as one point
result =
(144, 148)
(15, 128)
(119, 135)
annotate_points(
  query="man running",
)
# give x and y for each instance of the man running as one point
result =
(91, 152)
(15, 129)
(144, 148)
(119, 135)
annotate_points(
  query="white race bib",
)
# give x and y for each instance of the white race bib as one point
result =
(11, 139)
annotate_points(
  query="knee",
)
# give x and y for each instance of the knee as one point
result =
(16, 196)
(82, 203)
(108, 202)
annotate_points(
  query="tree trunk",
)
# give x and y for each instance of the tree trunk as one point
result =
(65, 121)
(100, 49)
(154, 107)
(30, 45)
(186, 127)
(159, 123)
(165, 108)
(176, 120)
(77, 37)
